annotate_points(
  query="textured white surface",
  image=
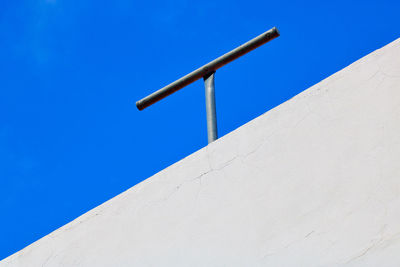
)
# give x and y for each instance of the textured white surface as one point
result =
(313, 182)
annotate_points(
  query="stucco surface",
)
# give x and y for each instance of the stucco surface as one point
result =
(313, 182)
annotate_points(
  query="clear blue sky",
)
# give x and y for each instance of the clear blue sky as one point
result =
(70, 134)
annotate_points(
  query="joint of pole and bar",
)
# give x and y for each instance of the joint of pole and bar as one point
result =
(205, 77)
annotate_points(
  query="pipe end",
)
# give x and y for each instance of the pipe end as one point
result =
(139, 105)
(275, 29)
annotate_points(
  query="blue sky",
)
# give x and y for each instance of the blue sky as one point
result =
(71, 71)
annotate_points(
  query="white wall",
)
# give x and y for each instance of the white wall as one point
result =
(313, 182)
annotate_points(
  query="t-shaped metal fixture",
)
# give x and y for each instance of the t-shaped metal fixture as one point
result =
(207, 72)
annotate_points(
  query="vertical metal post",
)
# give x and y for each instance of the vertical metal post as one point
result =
(210, 107)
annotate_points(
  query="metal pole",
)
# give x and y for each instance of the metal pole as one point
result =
(208, 68)
(210, 107)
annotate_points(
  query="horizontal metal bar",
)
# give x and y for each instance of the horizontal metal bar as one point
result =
(208, 68)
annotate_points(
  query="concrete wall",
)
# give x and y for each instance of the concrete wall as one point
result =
(313, 182)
